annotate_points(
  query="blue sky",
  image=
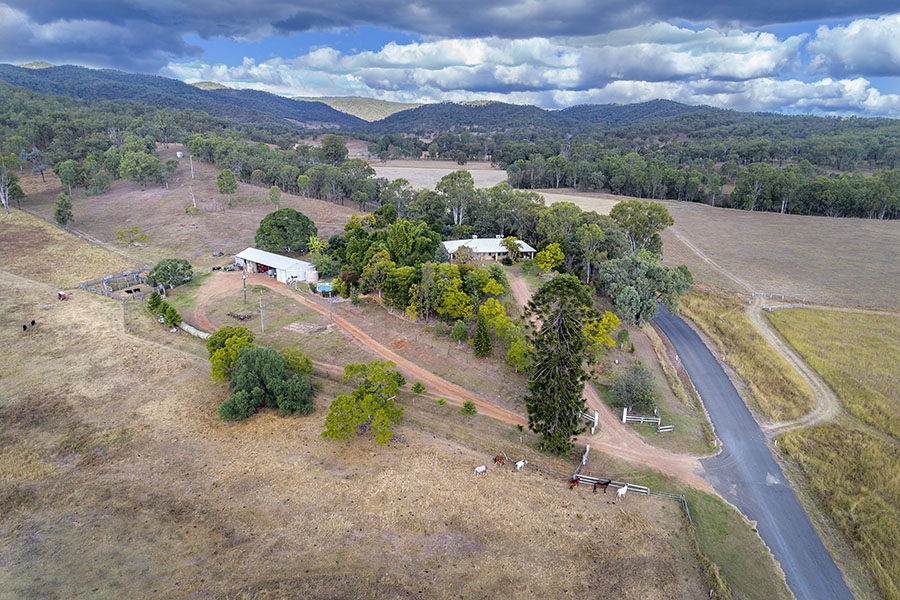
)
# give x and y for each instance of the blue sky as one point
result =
(774, 55)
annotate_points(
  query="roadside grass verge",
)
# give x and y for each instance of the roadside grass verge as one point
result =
(857, 355)
(855, 477)
(779, 392)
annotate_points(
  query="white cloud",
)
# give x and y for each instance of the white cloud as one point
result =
(868, 47)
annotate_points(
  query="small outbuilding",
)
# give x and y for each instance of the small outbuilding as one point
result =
(487, 248)
(284, 268)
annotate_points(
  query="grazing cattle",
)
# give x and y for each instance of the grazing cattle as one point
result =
(603, 484)
(521, 464)
(24, 327)
(481, 470)
(32, 323)
(620, 493)
(499, 460)
(574, 482)
(61, 295)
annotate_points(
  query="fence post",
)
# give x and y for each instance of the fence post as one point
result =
(625, 414)
(586, 450)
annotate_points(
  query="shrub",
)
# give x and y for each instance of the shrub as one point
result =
(418, 387)
(154, 301)
(162, 307)
(441, 329)
(170, 272)
(634, 387)
(622, 338)
(528, 266)
(632, 348)
(325, 265)
(506, 261)
(441, 401)
(460, 332)
(354, 296)
(172, 318)
(468, 408)
(260, 378)
(296, 361)
(312, 287)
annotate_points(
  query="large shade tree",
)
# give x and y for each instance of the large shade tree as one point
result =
(285, 231)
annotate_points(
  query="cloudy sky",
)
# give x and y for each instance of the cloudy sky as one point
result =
(824, 56)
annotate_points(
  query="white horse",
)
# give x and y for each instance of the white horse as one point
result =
(481, 470)
(521, 464)
(620, 493)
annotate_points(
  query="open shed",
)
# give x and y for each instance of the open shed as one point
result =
(284, 268)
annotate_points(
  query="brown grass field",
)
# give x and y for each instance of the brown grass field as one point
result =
(119, 481)
(425, 174)
(825, 260)
(852, 468)
(159, 213)
(776, 390)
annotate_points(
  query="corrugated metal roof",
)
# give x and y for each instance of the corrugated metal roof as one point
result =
(484, 246)
(276, 261)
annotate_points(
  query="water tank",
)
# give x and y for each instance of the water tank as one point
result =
(312, 276)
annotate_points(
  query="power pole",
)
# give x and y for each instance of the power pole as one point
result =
(245, 282)
(192, 166)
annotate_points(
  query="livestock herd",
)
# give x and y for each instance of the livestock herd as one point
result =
(573, 483)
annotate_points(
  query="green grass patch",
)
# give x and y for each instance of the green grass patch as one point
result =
(779, 392)
(185, 296)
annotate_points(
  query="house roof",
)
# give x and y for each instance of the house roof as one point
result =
(276, 261)
(484, 245)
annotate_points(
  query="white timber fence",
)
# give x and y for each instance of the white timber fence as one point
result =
(665, 428)
(640, 419)
(593, 419)
(632, 487)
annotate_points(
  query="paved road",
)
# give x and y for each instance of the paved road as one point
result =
(747, 475)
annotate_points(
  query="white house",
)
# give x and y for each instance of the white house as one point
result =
(286, 269)
(487, 248)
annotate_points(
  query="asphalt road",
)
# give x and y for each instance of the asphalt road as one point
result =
(746, 474)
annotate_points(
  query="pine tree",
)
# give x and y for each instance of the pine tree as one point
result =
(154, 300)
(482, 341)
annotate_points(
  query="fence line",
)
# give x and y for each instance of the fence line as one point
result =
(593, 418)
(640, 419)
(665, 428)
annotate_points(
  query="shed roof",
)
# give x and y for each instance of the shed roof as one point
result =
(484, 245)
(276, 261)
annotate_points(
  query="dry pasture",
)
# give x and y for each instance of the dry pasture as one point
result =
(160, 213)
(119, 481)
(425, 174)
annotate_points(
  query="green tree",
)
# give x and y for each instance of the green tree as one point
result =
(315, 245)
(172, 318)
(516, 355)
(376, 272)
(550, 257)
(275, 196)
(285, 231)
(140, 167)
(590, 236)
(482, 342)
(71, 173)
(418, 387)
(460, 332)
(558, 315)
(511, 243)
(226, 182)
(303, 184)
(62, 212)
(370, 406)
(223, 347)
(154, 301)
(170, 272)
(333, 150)
(641, 220)
(296, 361)
(634, 387)
(635, 283)
(261, 378)
(458, 190)
(468, 409)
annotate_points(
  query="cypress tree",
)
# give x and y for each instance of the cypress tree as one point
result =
(482, 341)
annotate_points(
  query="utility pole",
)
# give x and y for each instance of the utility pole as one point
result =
(245, 282)
(261, 324)
(330, 304)
(192, 165)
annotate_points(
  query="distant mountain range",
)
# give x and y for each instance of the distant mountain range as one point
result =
(350, 113)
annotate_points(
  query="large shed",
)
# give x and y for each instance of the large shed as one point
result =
(487, 248)
(285, 268)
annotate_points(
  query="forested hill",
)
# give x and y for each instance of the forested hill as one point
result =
(126, 88)
(484, 117)
(611, 116)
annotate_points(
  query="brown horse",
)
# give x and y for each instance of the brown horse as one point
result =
(574, 482)
(499, 460)
(603, 485)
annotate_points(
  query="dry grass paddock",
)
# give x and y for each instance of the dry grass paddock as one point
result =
(119, 481)
(35, 249)
(160, 213)
(777, 390)
(425, 174)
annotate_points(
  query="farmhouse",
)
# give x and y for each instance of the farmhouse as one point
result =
(283, 268)
(487, 248)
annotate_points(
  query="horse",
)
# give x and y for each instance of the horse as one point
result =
(499, 460)
(521, 464)
(620, 493)
(574, 483)
(481, 470)
(603, 485)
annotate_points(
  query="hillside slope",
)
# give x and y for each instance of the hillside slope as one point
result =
(368, 109)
